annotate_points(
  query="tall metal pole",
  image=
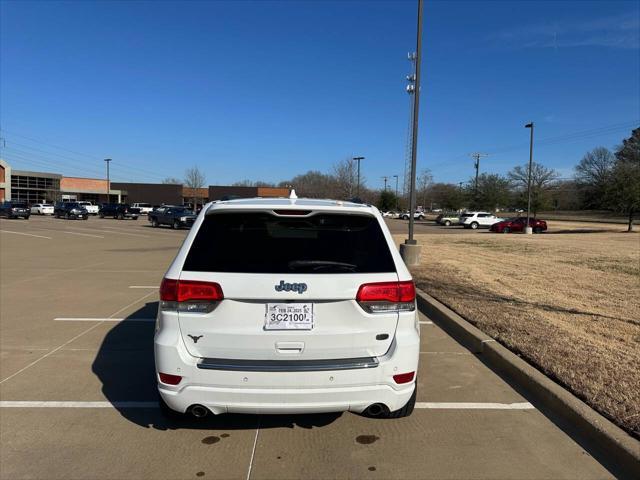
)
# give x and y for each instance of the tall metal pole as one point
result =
(528, 227)
(357, 159)
(385, 183)
(396, 176)
(108, 160)
(414, 135)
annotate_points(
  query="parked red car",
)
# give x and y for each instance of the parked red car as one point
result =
(517, 224)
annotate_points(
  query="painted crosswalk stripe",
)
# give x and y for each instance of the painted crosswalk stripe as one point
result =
(426, 322)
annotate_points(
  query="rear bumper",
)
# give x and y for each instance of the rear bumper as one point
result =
(274, 392)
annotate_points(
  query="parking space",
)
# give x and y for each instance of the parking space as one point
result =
(77, 382)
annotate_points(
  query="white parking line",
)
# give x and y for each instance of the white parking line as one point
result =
(253, 450)
(155, 287)
(151, 404)
(475, 406)
(83, 234)
(45, 404)
(70, 341)
(27, 234)
(74, 319)
(426, 322)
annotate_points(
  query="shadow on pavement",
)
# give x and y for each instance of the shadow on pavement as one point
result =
(125, 366)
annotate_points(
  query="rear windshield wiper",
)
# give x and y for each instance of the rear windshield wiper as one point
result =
(317, 265)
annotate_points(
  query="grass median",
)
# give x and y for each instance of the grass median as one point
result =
(568, 301)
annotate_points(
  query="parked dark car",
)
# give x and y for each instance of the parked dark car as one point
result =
(177, 217)
(517, 224)
(14, 210)
(119, 211)
(70, 211)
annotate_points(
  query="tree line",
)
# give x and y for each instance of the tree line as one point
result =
(603, 180)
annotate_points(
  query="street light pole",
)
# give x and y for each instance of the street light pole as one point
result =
(108, 160)
(414, 134)
(357, 159)
(528, 228)
(396, 177)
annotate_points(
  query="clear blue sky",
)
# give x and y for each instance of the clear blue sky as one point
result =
(267, 90)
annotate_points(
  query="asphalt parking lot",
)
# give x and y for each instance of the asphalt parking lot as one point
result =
(78, 399)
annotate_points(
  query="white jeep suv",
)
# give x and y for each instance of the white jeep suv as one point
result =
(288, 306)
(475, 220)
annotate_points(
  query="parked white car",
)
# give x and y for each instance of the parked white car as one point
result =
(145, 208)
(42, 209)
(475, 220)
(89, 207)
(417, 215)
(320, 318)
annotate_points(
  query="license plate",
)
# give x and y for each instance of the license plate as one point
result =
(288, 316)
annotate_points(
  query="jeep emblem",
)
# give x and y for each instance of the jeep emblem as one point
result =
(291, 287)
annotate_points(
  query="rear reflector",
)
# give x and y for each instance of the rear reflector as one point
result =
(189, 290)
(404, 377)
(170, 379)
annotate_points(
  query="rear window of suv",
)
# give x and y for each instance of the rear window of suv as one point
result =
(259, 242)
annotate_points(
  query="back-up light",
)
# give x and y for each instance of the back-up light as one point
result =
(387, 297)
(189, 295)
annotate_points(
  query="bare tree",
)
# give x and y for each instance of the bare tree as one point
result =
(592, 176)
(172, 181)
(542, 182)
(423, 182)
(345, 174)
(194, 178)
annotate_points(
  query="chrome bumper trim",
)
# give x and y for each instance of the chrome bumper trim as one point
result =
(287, 365)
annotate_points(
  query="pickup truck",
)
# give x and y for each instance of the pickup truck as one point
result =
(177, 217)
(89, 207)
(119, 211)
(145, 208)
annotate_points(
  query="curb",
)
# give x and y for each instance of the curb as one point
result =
(608, 443)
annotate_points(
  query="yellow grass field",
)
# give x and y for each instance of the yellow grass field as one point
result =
(568, 301)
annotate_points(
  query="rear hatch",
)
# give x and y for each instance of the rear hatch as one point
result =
(309, 265)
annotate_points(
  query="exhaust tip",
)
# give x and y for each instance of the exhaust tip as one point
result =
(376, 410)
(199, 411)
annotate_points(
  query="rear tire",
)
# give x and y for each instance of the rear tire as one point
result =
(537, 230)
(120, 216)
(101, 215)
(447, 223)
(506, 230)
(407, 409)
(67, 216)
(154, 223)
(176, 225)
(474, 225)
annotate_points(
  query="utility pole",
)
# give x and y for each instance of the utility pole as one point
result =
(108, 160)
(385, 182)
(410, 250)
(528, 228)
(396, 177)
(357, 159)
(476, 156)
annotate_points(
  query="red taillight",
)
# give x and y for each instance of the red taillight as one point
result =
(186, 290)
(169, 379)
(169, 290)
(404, 377)
(387, 292)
